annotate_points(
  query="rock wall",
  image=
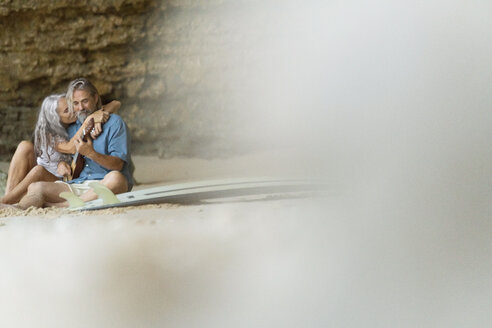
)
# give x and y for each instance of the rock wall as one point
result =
(170, 63)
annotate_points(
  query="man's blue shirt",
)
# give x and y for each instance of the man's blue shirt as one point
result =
(115, 141)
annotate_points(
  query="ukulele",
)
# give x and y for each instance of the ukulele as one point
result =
(78, 159)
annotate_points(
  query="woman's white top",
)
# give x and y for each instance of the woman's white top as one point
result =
(50, 163)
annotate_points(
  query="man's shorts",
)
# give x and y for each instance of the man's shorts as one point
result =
(79, 188)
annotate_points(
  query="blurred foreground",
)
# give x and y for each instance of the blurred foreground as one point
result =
(371, 252)
(388, 102)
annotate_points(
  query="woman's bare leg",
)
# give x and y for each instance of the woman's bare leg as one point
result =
(38, 173)
(22, 162)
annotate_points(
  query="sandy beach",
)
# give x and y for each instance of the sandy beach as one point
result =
(151, 171)
(272, 262)
(224, 264)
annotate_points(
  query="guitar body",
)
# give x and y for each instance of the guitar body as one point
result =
(77, 166)
(78, 160)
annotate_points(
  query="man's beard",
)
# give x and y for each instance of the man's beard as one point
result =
(82, 115)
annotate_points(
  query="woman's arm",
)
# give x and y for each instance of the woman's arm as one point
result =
(68, 147)
(112, 107)
(100, 116)
(65, 147)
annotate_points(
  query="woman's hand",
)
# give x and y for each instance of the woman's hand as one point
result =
(96, 131)
(63, 169)
(99, 117)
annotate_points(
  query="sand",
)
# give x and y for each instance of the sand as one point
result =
(158, 265)
(152, 171)
(371, 252)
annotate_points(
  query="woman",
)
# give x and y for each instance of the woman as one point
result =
(39, 162)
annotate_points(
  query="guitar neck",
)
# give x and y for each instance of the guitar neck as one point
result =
(78, 160)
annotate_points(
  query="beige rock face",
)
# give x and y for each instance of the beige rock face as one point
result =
(169, 62)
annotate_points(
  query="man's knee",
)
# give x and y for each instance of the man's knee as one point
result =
(116, 181)
(115, 176)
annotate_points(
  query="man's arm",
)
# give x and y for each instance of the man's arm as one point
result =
(107, 161)
(116, 152)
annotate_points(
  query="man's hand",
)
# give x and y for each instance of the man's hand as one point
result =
(84, 148)
(63, 169)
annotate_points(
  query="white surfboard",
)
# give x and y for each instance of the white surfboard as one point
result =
(196, 192)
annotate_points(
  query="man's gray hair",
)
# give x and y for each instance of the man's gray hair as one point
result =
(82, 84)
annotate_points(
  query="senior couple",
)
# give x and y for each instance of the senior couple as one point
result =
(37, 169)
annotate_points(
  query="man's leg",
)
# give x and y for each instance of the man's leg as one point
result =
(41, 193)
(38, 173)
(114, 180)
(22, 162)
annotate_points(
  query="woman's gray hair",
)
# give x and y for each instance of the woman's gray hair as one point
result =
(49, 128)
(82, 84)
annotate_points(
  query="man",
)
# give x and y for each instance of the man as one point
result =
(107, 158)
